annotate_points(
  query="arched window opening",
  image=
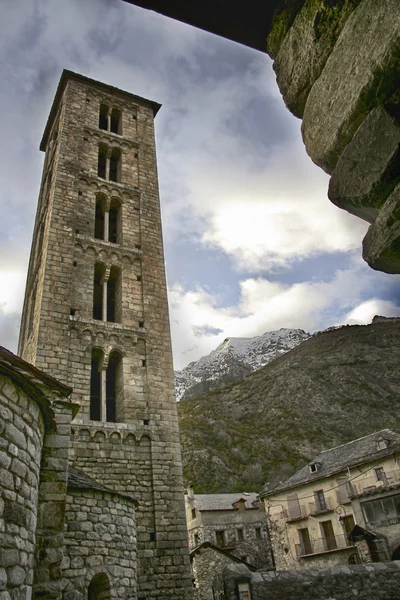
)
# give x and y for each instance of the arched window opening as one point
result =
(115, 165)
(99, 270)
(114, 295)
(95, 384)
(114, 401)
(115, 123)
(99, 588)
(99, 217)
(103, 116)
(114, 227)
(102, 162)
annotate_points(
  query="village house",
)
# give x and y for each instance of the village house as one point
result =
(224, 529)
(342, 507)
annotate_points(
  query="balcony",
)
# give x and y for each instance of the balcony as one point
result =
(322, 545)
(310, 509)
(371, 484)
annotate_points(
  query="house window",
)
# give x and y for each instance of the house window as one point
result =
(193, 513)
(258, 533)
(220, 538)
(381, 443)
(293, 506)
(305, 543)
(240, 535)
(344, 490)
(348, 525)
(328, 535)
(385, 511)
(314, 467)
(320, 502)
(380, 474)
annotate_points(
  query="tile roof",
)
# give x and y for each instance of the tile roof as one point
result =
(335, 460)
(221, 501)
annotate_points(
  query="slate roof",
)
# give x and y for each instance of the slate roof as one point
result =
(337, 459)
(221, 501)
(224, 552)
(79, 480)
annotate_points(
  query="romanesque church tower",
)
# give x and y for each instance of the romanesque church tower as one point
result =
(96, 316)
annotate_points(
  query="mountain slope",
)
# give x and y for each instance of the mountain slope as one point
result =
(233, 359)
(334, 387)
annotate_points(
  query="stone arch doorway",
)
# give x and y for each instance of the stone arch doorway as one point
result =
(99, 588)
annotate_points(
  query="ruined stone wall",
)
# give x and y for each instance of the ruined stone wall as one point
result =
(100, 538)
(21, 439)
(206, 565)
(337, 66)
(376, 581)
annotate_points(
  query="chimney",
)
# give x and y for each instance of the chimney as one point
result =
(190, 492)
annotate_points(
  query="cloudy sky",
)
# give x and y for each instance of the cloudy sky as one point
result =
(252, 242)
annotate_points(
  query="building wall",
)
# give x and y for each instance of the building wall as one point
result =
(256, 550)
(284, 530)
(100, 538)
(59, 332)
(21, 439)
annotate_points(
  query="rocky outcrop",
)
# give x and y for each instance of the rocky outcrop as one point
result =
(338, 68)
(334, 387)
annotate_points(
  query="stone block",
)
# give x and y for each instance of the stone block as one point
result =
(306, 48)
(369, 167)
(381, 245)
(16, 576)
(360, 73)
(8, 557)
(3, 578)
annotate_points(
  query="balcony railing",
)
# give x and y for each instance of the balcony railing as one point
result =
(311, 508)
(368, 484)
(321, 545)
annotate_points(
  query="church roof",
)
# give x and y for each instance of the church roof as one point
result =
(36, 384)
(337, 459)
(79, 480)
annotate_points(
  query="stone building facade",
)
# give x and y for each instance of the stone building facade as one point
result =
(225, 528)
(342, 507)
(96, 315)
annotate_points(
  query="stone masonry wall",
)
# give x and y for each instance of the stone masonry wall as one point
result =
(49, 550)
(100, 537)
(376, 581)
(21, 439)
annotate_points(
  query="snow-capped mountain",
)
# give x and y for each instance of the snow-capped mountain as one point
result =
(233, 359)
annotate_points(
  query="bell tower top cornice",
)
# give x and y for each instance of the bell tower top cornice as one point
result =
(67, 76)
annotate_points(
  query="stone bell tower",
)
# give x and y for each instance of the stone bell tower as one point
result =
(96, 315)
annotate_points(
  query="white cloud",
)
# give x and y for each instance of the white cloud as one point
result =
(265, 306)
(364, 312)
